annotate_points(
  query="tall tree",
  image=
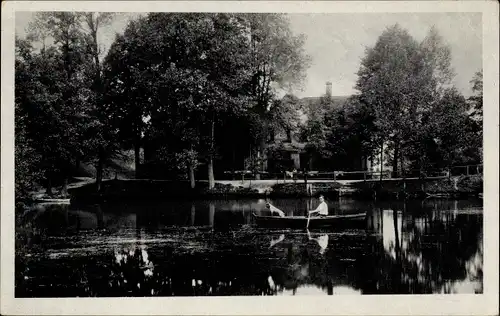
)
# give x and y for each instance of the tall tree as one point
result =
(278, 63)
(448, 128)
(29, 169)
(127, 100)
(183, 66)
(402, 80)
(342, 137)
(476, 110)
(55, 97)
(65, 30)
(102, 145)
(476, 100)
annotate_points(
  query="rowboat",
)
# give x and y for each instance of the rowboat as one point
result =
(357, 220)
(52, 201)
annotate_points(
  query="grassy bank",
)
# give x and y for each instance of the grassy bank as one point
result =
(155, 189)
(461, 186)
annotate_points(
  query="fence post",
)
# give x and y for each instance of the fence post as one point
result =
(467, 169)
(364, 176)
(334, 176)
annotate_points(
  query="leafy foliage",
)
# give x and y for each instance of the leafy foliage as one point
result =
(406, 104)
(416, 111)
(185, 86)
(340, 136)
(57, 94)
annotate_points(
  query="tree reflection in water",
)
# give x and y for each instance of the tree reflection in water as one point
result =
(428, 247)
(427, 250)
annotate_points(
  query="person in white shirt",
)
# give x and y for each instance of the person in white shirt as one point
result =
(322, 209)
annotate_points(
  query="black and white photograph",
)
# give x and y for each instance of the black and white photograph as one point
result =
(237, 153)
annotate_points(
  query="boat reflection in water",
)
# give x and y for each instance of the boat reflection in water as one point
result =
(213, 248)
(303, 268)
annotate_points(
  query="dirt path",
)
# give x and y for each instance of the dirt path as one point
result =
(81, 181)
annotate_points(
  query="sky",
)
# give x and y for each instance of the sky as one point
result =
(336, 43)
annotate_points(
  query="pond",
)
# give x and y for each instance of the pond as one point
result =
(200, 248)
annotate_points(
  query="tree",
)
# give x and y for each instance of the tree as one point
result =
(476, 114)
(27, 159)
(402, 80)
(476, 100)
(102, 144)
(69, 90)
(180, 68)
(38, 29)
(278, 63)
(127, 99)
(449, 126)
(341, 136)
(49, 120)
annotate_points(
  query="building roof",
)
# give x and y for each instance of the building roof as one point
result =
(337, 101)
(294, 146)
(313, 104)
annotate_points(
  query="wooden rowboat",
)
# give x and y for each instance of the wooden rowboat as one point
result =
(52, 201)
(357, 220)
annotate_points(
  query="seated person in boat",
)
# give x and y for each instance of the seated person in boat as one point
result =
(322, 209)
(275, 210)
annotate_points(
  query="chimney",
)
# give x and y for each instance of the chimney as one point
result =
(329, 89)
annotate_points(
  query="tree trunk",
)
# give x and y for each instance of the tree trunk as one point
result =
(98, 176)
(257, 174)
(211, 213)
(210, 164)
(402, 162)
(262, 157)
(191, 177)
(234, 163)
(64, 189)
(48, 189)
(262, 149)
(211, 180)
(381, 162)
(99, 170)
(395, 159)
(100, 217)
(137, 156)
(193, 213)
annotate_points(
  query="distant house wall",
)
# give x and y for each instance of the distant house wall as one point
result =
(296, 160)
(376, 165)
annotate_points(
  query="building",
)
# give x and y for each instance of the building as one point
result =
(287, 152)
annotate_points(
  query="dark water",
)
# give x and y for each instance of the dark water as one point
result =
(213, 248)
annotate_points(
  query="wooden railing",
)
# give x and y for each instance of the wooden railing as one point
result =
(357, 174)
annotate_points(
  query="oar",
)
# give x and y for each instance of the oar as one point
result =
(308, 218)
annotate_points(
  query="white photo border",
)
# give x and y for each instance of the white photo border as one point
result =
(480, 304)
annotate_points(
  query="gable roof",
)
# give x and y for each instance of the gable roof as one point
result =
(337, 101)
(313, 103)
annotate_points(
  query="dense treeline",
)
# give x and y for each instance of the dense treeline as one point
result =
(191, 89)
(406, 111)
(174, 84)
